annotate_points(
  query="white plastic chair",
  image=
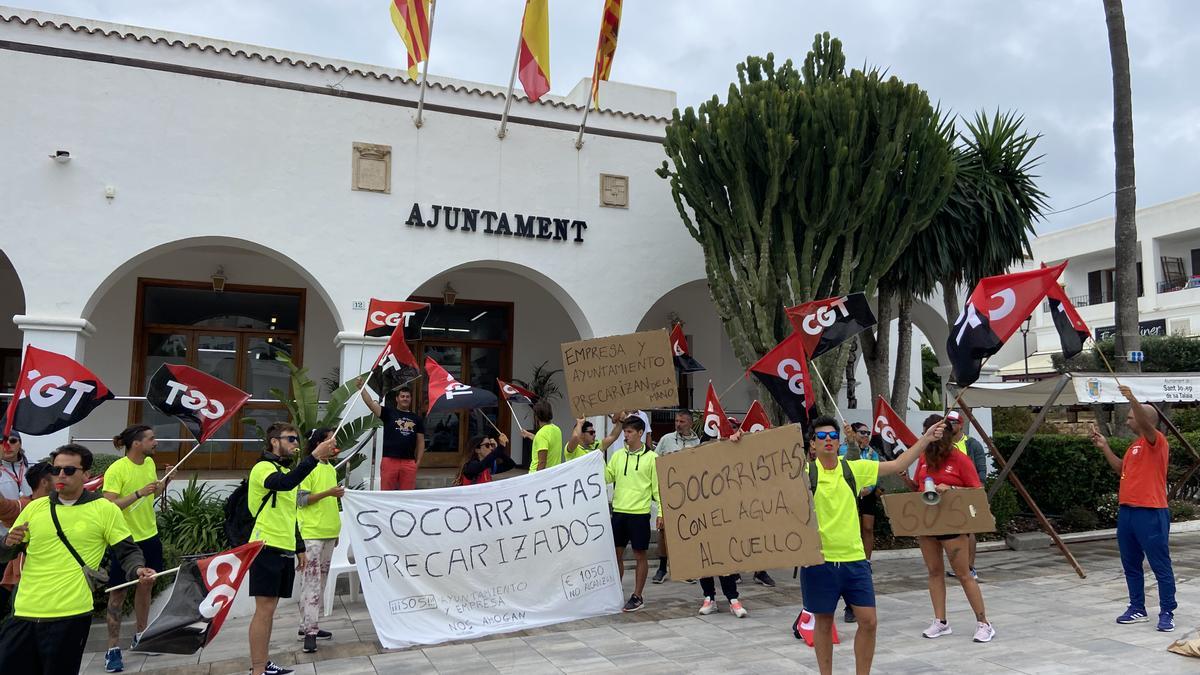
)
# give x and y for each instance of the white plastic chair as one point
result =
(340, 564)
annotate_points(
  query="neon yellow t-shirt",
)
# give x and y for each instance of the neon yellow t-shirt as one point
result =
(581, 450)
(961, 444)
(634, 476)
(548, 438)
(123, 478)
(320, 520)
(52, 583)
(837, 509)
(276, 525)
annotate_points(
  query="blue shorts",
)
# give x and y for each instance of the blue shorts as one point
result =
(822, 585)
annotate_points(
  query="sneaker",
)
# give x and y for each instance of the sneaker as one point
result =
(709, 606)
(735, 608)
(321, 634)
(937, 629)
(1132, 615)
(659, 576)
(951, 574)
(635, 603)
(974, 574)
(310, 644)
(112, 661)
(689, 581)
(274, 669)
(849, 617)
(983, 633)
(764, 579)
(1166, 622)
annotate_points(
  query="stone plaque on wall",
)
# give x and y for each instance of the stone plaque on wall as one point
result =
(614, 191)
(372, 168)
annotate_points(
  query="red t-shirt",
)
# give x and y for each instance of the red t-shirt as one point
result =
(956, 470)
(1144, 473)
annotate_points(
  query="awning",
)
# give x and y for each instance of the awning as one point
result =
(1085, 389)
(1039, 363)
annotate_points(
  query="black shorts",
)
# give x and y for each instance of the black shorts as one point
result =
(151, 551)
(869, 505)
(632, 529)
(273, 573)
(947, 537)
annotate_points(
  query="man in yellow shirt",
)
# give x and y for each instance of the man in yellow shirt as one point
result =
(320, 525)
(634, 477)
(547, 441)
(846, 571)
(59, 535)
(131, 483)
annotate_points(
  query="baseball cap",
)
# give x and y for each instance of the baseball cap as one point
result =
(954, 417)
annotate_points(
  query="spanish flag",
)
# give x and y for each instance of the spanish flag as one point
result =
(534, 60)
(411, 18)
(606, 49)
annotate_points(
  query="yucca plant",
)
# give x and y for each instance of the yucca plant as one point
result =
(193, 520)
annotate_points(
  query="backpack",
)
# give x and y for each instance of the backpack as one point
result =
(239, 524)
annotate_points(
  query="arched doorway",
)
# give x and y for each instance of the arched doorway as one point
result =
(12, 303)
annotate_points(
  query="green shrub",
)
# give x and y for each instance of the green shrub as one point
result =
(1187, 419)
(1106, 510)
(1005, 505)
(1062, 471)
(193, 520)
(1181, 510)
(101, 462)
(1079, 519)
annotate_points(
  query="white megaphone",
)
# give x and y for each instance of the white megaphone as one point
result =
(930, 496)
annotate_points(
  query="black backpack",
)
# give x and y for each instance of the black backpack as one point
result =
(238, 521)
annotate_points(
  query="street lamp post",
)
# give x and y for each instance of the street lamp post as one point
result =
(1025, 342)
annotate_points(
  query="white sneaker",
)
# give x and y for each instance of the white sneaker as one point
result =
(735, 608)
(984, 633)
(937, 629)
(709, 606)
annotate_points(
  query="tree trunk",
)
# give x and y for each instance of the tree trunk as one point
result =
(902, 379)
(851, 380)
(876, 346)
(950, 301)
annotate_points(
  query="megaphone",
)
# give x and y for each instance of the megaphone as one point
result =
(930, 496)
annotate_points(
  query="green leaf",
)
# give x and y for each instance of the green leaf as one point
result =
(352, 432)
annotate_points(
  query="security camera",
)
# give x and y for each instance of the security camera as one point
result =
(61, 156)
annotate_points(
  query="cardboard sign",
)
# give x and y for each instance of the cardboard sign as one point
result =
(621, 372)
(739, 507)
(959, 512)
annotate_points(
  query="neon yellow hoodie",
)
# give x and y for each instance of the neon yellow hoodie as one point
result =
(634, 478)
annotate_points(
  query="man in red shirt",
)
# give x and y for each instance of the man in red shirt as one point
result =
(1143, 521)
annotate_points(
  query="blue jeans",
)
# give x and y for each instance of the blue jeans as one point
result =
(1142, 535)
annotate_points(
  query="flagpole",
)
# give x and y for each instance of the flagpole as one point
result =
(514, 414)
(127, 584)
(512, 81)
(425, 68)
(583, 125)
(180, 462)
(832, 400)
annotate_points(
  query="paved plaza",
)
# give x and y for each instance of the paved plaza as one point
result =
(1047, 621)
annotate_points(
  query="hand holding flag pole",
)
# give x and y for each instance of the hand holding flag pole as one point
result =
(135, 582)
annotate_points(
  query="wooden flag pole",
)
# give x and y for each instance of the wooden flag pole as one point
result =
(180, 462)
(425, 69)
(127, 584)
(514, 414)
(512, 81)
(489, 421)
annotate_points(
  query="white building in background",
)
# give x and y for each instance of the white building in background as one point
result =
(142, 168)
(1168, 257)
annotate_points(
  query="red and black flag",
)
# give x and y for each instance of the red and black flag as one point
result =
(447, 393)
(684, 362)
(53, 392)
(825, 324)
(395, 366)
(890, 429)
(756, 419)
(199, 599)
(514, 394)
(995, 310)
(716, 422)
(784, 372)
(1072, 331)
(384, 316)
(202, 402)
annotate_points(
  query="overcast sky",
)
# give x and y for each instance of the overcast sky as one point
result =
(1047, 60)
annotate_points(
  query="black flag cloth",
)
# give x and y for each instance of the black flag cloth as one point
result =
(202, 402)
(395, 367)
(514, 394)
(447, 393)
(784, 372)
(684, 362)
(825, 324)
(1072, 331)
(53, 392)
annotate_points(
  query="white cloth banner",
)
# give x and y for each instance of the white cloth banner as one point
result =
(463, 562)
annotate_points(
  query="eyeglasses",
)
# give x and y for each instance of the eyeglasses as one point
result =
(832, 435)
(487, 445)
(68, 470)
(290, 439)
(13, 439)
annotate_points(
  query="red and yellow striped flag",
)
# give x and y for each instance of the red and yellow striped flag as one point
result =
(606, 48)
(411, 18)
(534, 60)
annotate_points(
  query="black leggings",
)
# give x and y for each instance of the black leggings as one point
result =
(728, 587)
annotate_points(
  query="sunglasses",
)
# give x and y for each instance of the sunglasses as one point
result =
(487, 445)
(290, 439)
(13, 439)
(68, 470)
(832, 435)
(863, 432)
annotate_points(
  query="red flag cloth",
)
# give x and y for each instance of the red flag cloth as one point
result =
(514, 394)
(756, 419)
(202, 402)
(804, 628)
(53, 392)
(198, 603)
(396, 364)
(716, 422)
(683, 355)
(996, 309)
(784, 372)
(1072, 331)
(384, 316)
(447, 393)
(825, 324)
(606, 48)
(94, 483)
(891, 427)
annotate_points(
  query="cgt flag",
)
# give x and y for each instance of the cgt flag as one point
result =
(1072, 331)
(514, 394)
(53, 392)
(395, 366)
(992, 314)
(890, 428)
(825, 324)
(384, 316)
(716, 422)
(756, 419)
(784, 372)
(447, 393)
(202, 402)
(199, 599)
(684, 362)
